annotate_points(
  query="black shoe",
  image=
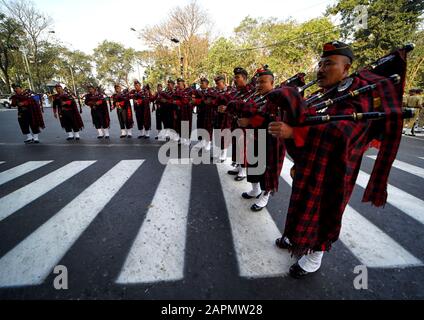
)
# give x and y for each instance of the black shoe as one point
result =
(156, 138)
(129, 136)
(245, 195)
(233, 173)
(28, 141)
(297, 272)
(140, 137)
(282, 244)
(36, 141)
(70, 138)
(77, 139)
(146, 137)
(122, 137)
(107, 137)
(256, 208)
(238, 179)
(100, 137)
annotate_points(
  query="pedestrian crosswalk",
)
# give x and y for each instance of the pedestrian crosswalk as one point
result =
(158, 252)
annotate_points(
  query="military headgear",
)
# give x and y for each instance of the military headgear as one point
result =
(241, 71)
(219, 78)
(337, 48)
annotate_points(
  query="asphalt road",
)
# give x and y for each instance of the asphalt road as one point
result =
(127, 227)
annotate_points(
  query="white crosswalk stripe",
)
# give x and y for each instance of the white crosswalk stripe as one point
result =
(367, 242)
(20, 170)
(22, 197)
(31, 261)
(254, 234)
(422, 158)
(417, 171)
(158, 252)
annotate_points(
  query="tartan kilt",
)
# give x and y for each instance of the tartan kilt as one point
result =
(103, 109)
(183, 113)
(37, 116)
(76, 119)
(147, 115)
(275, 154)
(130, 119)
(209, 119)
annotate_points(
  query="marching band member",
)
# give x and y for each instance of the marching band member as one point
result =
(328, 157)
(29, 114)
(257, 115)
(121, 102)
(243, 90)
(141, 97)
(65, 106)
(158, 108)
(99, 112)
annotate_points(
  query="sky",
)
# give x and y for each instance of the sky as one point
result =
(83, 24)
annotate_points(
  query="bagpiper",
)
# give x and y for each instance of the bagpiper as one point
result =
(30, 117)
(141, 98)
(328, 157)
(99, 111)
(65, 107)
(121, 102)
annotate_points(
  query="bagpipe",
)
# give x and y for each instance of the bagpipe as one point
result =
(69, 93)
(319, 101)
(373, 67)
(105, 97)
(119, 98)
(140, 96)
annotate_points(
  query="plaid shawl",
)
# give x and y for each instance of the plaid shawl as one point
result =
(62, 100)
(37, 120)
(328, 165)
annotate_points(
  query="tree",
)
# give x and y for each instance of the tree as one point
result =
(390, 24)
(114, 63)
(189, 25)
(35, 24)
(10, 40)
(74, 67)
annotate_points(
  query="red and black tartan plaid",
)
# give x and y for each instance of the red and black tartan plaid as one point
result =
(206, 109)
(37, 120)
(328, 165)
(289, 101)
(142, 100)
(184, 108)
(124, 102)
(91, 101)
(58, 101)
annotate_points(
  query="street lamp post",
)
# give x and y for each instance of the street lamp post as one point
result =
(138, 64)
(25, 58)
(180, 57)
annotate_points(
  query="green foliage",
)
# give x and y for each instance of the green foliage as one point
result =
(114, 63)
